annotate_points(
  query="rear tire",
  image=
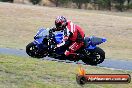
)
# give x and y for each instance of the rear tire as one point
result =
(33, 51)
(95, 56)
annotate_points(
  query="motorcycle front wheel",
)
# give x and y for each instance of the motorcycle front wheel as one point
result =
(33, 51)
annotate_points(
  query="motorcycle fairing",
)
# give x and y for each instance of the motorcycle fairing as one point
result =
(41, 34)
(58, 37)
(90, 42)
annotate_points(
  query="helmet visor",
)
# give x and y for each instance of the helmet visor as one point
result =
(58, 25)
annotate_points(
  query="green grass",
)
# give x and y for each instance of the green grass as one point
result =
(19, 23)
(20, 72)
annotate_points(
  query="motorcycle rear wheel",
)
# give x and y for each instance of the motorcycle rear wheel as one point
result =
(94, 57)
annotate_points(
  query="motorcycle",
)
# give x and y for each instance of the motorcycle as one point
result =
(44, 45)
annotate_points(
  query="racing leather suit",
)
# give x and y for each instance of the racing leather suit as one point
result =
(75, 35)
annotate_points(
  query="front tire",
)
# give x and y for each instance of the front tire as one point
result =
(33, 51)
(94, 57)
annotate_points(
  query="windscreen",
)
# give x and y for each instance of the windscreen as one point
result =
(42, 32)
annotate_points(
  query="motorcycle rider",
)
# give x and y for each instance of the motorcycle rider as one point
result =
(73, 35)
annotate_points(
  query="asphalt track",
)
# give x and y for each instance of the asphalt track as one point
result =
(108, 63)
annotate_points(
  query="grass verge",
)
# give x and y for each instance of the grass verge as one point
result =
(19, 72)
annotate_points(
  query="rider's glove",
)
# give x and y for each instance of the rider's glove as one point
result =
(53, 29)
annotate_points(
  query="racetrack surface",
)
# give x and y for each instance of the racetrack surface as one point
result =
(108, 63)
